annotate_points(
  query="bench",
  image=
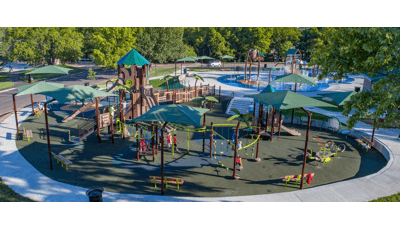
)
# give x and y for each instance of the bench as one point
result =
(295, 178)
(365, 143)
(28, 133)
(62, 159)
(157, 179)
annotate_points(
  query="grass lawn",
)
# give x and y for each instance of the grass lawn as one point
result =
(392, 198)
(8, 195)
(163, 71)
(6, 84)
(159, 83)
(39, 77)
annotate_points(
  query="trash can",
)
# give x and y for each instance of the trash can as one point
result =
(86, 83)
(185, 71)
(95, 194)
(357, 89)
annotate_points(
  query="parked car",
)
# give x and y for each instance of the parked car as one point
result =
(214, 64)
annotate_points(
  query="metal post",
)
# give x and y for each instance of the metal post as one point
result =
(47, 131)
(305, 147)
(272, 124)
(162, 158)
(30, 82)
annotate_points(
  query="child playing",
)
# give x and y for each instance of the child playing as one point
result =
(142, 145)
(147, 142)
(175, 143)
(169, 142)
(239, 163)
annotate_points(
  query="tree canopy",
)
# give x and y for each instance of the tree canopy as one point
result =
(373, 51)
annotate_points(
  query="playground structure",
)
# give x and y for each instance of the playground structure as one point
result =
(294, 56)
(252, 55)
(328, 151)
(331, 123)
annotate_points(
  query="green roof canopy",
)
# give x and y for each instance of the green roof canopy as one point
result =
(339, 97)
(268, 89)
(292, 51)
(37, 88)
(194, 57)
(204, 58)
(187, 59)
(296, 78)
(226, 57)
(288, 100)
(75, 92)
(133, 58)
(180, 114)
(50, 69)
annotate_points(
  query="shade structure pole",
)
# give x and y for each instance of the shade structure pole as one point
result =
(258, 144)
(305, 147)
(279, 129)
(236, 145)
(153, 142)
(30, 82)
(162, 158)
(98, 119)
(137, 142)
(48, 132)
(272, 124)
(132, 106)
(16, 116)
(204, 132)
(211, 139)
(157, 140)
(112, 127)
(260, 108)
(269, 78)
(373, 132)
(210, 105)
(295, 89)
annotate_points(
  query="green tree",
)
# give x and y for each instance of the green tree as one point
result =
(373, 51)
(161, 44)
(310, 40)
(112, 43)
(283, 38)
(91, 74)
(88, 41)
(38, 44)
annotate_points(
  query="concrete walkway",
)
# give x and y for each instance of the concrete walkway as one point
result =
(23, 178)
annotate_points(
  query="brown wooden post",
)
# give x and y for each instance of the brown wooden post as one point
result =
(295, 89)
(141, 100)
(214, 90)
(47, 131)
(204, 132)
(219, 92)
(137, 142)
(305, 147)
(211, 140)
(98, 119)
(269, 78)
(272, 124)
(30, 82)
(210, 105)
(162, 158)
(258, 144)
(279, 129)
(157, 140)
(120, 105)
(133, 116)
(260, 108)
(153, 142)
(235, 156)
(112, 128)
(373, 132)
(16, 115)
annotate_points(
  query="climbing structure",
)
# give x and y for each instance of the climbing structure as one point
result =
(253, 56)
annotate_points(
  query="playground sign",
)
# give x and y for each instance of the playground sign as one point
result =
(104, 120)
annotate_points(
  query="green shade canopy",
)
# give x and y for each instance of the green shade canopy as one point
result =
(194, 57)
(37, 88)
(268, 89)
(179, 114)
(226, 57)
(50, 69)
(288, 100)
(339, 97)
(292, 51)
(296, 78)
(187, 59)
(204, 58)
(209, 98)
(133, 58)
(75, 92)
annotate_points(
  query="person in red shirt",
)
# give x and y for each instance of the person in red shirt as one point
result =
(176, 142)
(142, 145)
(239, 163)
(169, 142)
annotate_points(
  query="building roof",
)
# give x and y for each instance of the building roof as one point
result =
(378, 77)
(292, 51)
